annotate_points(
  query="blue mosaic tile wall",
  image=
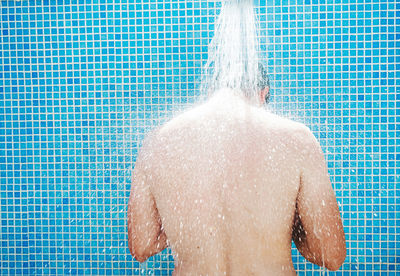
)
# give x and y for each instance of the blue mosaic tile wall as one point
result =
(82, 82)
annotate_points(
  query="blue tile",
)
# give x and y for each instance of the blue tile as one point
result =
(76, 79)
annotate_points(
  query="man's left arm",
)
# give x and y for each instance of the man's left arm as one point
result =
(145, 234)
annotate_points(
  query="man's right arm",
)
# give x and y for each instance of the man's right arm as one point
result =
(317, 229)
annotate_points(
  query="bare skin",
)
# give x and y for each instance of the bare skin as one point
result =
(229, 185)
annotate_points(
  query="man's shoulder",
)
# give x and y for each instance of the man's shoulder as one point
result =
(288, 125)
(292, 132)
(186, 118)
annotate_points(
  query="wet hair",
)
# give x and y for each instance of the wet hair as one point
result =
(263, 81)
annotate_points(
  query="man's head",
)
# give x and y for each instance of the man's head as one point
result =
(253, 84)
(263, 84)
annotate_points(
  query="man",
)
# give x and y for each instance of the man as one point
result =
(229, 185)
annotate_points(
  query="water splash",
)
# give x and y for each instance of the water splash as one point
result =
(233, 53)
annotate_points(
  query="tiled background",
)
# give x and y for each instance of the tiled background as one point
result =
(81, 82)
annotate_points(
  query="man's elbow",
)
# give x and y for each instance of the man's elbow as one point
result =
(140, 258)
(139, 255)
(334, 265)
(337, 260)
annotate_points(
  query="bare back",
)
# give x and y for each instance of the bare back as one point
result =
(226, 177)
(229, 185)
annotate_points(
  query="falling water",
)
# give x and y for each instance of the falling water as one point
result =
(233, 54)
